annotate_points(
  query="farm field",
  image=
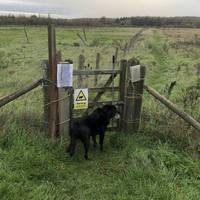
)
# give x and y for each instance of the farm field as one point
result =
(160, 162)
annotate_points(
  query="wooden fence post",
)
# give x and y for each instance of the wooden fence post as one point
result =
(116, 54)
(133, 100)
(46, 85)
(122, 90)
(65, 112)
(26, 34)
(46, 89)
(97, 67)
(81, 67)
(53, 91)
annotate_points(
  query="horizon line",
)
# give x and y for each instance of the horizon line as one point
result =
(56, 16)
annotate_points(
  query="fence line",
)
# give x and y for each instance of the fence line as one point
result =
(173, 107)
(5, 100)
(95, 72)
(58, 108)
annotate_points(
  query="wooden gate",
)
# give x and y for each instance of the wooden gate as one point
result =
(65, 105)
(58, 102)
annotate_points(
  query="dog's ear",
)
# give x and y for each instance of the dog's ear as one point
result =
(110, 110)
(109, 107)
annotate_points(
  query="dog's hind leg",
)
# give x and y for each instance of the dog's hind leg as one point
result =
(86, 143)
(68, 148)
(72, 146)
(94, 141)
(101, 139)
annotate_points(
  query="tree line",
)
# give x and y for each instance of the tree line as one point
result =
(176, 22)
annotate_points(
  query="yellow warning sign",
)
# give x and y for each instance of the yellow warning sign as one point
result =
(81, 96)
(81, 99)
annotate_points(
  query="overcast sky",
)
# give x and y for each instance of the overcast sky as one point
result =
(108, 8)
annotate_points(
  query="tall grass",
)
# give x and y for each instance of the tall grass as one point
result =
(133, 167)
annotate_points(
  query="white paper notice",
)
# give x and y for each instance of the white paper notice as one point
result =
(64, 75)
(135, 73)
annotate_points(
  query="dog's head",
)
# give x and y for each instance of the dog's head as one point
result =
(111, 111)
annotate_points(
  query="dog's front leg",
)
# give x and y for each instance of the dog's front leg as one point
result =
(94, 141)
(68, 148)
(101, 139)
(72, 146)
(86, 143)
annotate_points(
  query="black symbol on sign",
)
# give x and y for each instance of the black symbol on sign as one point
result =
(81, 96)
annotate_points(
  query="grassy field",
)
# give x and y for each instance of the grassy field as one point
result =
(160, 162)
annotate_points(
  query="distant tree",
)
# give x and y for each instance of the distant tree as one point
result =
(190, 22)
(102, 20)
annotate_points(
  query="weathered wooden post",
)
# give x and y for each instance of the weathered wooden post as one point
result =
(65, 110)
(81, 67)
(122, 90)
(116, 54)
(53, 91)
(46, 85)
(133, 98)
(46, 90)
(97, 67)
(65, 95)
(26, 34)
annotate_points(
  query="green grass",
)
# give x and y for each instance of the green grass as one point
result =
(160, 162)
(132, 167)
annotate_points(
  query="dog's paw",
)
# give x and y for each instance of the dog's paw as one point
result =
(86, 157)
(103, 150)
(71, 154)
(67, 150)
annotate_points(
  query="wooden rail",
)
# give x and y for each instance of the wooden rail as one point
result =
(107, 89)
(95, 72)
(190, 120)
(97, 68)
(99, 103)
(99, 94)
(5, 100)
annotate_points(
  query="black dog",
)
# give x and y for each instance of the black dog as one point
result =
(89, 126)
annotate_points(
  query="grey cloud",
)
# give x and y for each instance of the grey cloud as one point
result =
(109, 8)
(33, 7)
